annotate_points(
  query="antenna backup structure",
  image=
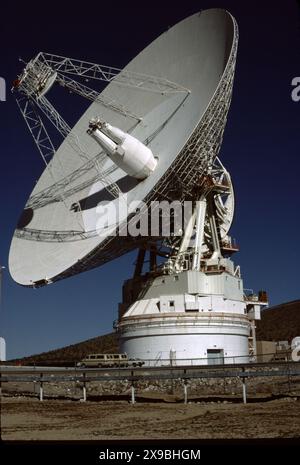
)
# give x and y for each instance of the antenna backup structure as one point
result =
(151, 137)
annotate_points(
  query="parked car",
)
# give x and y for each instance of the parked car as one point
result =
(135, 362)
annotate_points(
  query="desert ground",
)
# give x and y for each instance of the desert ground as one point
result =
(25, 418)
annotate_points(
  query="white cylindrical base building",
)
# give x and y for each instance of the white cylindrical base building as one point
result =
(183, 339)
(187, 318)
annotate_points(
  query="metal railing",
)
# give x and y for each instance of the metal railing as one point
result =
(183, 374)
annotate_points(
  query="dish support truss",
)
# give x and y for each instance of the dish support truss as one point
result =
(38, 77)
(194, 161)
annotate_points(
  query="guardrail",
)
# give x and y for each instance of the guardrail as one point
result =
(83, 376)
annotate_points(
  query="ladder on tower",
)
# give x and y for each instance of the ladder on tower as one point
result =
(252, 342)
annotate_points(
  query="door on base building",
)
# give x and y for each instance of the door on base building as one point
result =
(215, 356)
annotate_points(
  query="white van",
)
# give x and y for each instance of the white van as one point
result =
(108, 360)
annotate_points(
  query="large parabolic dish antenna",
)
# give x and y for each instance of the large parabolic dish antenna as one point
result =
(174, 97)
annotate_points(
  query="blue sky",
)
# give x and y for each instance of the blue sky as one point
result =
(260, 148)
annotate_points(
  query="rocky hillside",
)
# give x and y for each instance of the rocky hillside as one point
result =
(280, 323)
(71, 354)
